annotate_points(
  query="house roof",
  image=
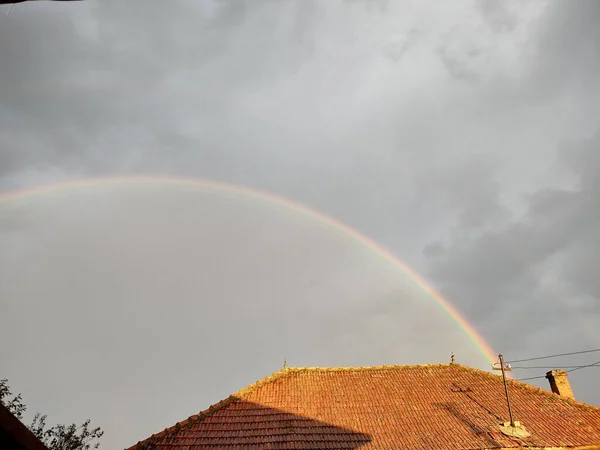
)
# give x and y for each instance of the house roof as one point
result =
(417, 407)
(14, 435)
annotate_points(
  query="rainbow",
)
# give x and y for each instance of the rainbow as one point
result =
(319, 217)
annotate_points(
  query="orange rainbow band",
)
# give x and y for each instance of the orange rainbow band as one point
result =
(477, 340)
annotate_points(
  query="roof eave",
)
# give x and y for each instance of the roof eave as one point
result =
(18, 432)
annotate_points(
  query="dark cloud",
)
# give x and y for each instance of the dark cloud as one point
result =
(531, 272)
(497, 15)
(539, 271)
(566, 55)
(457, 67)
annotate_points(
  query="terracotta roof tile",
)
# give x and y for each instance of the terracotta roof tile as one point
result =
(416, 407)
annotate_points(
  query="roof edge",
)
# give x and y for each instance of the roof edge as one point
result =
(141, 445)
(18, 431)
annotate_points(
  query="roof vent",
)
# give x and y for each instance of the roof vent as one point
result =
(559, 383)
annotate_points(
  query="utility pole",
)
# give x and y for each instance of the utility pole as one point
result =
(514, 429)
(505, 368)
(512, 422)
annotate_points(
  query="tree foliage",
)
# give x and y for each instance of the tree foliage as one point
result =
(58, 437)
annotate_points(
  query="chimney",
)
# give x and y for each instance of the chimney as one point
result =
(559, 383)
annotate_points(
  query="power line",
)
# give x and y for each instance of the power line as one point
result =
(554, 356)
(531, 378)
(596, 364)
(583, 367)
(546, 367)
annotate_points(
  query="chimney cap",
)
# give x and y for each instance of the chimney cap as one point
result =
(555, 373)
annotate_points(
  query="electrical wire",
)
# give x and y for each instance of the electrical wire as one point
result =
(596, 364)
(531, 378)
(546, 367)
(554, 356)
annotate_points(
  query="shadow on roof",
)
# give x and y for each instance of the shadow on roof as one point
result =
(250, 425)
(478, 430)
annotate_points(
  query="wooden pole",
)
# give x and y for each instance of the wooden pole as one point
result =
(512, 422)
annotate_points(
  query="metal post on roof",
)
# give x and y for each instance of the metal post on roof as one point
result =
(512, 422)
(512, 428)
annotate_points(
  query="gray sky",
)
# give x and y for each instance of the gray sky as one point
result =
(462, 136)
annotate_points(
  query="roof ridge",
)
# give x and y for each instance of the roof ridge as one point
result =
(534, 389)
(365, 368)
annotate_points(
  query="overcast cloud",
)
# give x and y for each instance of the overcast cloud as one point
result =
(463, 136)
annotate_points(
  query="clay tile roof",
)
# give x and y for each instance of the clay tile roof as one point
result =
(388, 407)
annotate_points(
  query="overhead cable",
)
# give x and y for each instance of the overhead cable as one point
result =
(586, 366)
(554, 356)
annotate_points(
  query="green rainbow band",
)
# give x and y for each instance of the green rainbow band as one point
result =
(477, 340)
